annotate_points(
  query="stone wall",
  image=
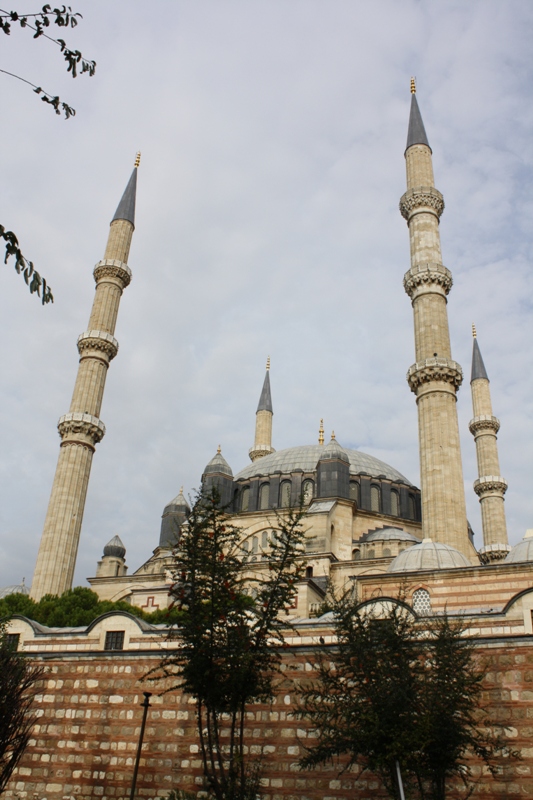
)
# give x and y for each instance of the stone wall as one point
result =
(89, 718)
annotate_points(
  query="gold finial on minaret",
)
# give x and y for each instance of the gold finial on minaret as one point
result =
(219, 450)
(137, 159)
(321, 432)
(474, 332)
(332, 436)
(413, 85)
(268, 362)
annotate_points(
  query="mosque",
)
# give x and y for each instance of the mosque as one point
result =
(362, 516)
(366, 526)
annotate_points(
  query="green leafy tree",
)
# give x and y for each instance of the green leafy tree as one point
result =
(398, 690)
(78, 606)
(36, 24)
(19, 680)
(230, 634)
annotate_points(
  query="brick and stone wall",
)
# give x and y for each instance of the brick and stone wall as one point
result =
(89, 717)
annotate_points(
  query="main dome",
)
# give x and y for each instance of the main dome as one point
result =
(305, 458)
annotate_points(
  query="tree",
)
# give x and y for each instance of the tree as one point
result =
(230, 634)
(76, 65)
(399, 690)
(19, 680)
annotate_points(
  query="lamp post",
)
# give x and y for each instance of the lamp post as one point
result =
(145, 706)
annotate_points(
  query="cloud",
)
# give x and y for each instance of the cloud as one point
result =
(272, 137)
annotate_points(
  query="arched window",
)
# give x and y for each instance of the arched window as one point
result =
(309, 572)
(308, 490)
(255, 545)
(245, 547)
(412, 507)
(356, 555)
(421, 602)
(386, 552)
(354, 492)
(375, 498)
(285, 494)
(371, 554)
(245, 499)
(394, 503)
(264, 496)
(264, 540)
(236, 500)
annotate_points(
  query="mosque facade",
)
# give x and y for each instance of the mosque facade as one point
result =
(367, 525)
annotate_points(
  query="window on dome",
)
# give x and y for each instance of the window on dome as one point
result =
(245, 499)
(412, 507)
(285, 494)
(371, 554)
(375, 498)
(354, 492)
(421, 602)
(308, 490)
(394, 503)
(264, 496)
(356, 555)
(236, 500)
(386, 552)
(13, 640)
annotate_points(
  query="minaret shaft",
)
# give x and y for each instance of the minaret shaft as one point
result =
(263, 421)
(434, 378)
(81, 429)
(490, 486)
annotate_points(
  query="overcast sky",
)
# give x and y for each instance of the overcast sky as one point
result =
(272, 138)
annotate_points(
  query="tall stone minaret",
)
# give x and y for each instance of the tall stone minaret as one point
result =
(490, 487)
(435, 377)
(263, 421)
(81, 429)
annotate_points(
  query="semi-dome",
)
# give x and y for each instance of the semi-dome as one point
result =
(523, 551)
(217, 465)
(389, 534)
(115, 548)
(306, 457)
(428, 555)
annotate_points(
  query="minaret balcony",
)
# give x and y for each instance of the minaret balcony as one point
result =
(431, 370)
(97, 343)
(490, 485)
(427, 278)
(111, 269)
(421, 200)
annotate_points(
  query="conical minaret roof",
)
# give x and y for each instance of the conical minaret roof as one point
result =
(265, 401)
(126, 207)
(478, 367)
(416, 133)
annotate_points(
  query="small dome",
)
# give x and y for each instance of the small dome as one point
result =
(178, 504)
(334, 451)
(218, 464)
(115, 548)
(523, 551)
(15, 588)
(391, 534)
(428, 555)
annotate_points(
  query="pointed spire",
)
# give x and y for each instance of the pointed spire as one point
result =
(126, 207)
(478, 367)
(265, 401)
(416, 133)
(321, 432)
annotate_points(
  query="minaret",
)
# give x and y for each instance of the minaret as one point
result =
(263, 421)
(490, 487)
(81, 429)
(435, 377)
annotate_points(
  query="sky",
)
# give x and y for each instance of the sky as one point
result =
(272, 136)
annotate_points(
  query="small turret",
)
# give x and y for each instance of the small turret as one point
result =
(218, 474)
(113, 563)
(333, 471)
(174, 515)
(263, 421)
(490, 487)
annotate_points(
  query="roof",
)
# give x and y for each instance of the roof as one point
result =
(428, 555)
(14, 588)
(126, 207)
(265, 401)
(416, 133)
(523, 551)
(305, 458)
(478, 367)
(391, 534)
(218, 464)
